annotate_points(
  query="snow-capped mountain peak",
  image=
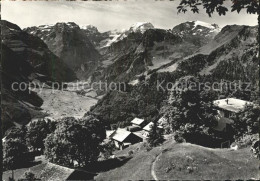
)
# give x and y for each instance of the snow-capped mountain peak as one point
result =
(117, 35)
(214, 28)
(141, 27)
(84, 27)
(89, 28)
(204, 24)
(46, 26)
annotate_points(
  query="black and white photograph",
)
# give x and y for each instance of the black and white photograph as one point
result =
(130, 90)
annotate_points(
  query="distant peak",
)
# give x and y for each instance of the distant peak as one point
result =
(68, 24)
(137, 24)
(141, 26)
(88, 26)
(46, 26)
(204, 24)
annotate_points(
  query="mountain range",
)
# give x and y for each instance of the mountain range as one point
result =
(126, 54)
(66, 52)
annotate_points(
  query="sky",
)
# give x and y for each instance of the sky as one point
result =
(110, 15)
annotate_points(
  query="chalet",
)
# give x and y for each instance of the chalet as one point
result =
(49, 171)
(138, 122)
(226, 109)
(148, 128)
(123, 138)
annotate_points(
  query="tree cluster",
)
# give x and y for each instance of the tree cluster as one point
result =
(37, 131)
(246, 122)
(14, 149)
(75, 141)
(191, 113)
(64, 142)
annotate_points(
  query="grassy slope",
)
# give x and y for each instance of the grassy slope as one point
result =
(173, 162)
(217, 164)
(66, 103)
(137, 168)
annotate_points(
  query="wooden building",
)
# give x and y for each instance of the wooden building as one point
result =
(148, 128)
(138, 122)
(123, 138)
(227, 108)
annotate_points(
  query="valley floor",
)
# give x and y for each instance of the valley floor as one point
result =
(65, 103)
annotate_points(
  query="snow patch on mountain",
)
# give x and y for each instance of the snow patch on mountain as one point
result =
(118, 35)
(89, 28)
(114, 36)
(141, 27)
(213, 27)
(201, 23)
(46, 26)
(85, 27)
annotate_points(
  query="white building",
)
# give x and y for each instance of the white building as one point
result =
(226, 109)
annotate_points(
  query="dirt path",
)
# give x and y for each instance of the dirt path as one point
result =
(153, 167)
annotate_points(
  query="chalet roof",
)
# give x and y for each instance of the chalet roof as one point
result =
(148, 127)
(137, 121)
(55, 172)
(52, 172)
(120, 135)
(233, 105)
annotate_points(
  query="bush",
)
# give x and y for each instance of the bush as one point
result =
(147, 147)
(246, 140)
(255, 148)
(178, 137)
(195, 134)
(130, 153)
(247, 121)
(107, 149)
(28, 176)
(155, 136)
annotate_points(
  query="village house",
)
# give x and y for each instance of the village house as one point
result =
(148, 128)
(227, 108)
(123, 138)
(138, 122)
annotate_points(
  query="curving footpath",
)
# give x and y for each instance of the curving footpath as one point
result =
(153, 167)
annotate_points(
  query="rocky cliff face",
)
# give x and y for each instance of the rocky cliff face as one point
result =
(94, 35)
(71, 44)
(35, 52)
(236, 59)
(25, 58)
(196, 32)
(135, 54)
(16, 105)
(231, 55)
